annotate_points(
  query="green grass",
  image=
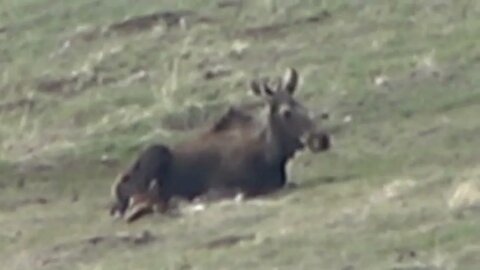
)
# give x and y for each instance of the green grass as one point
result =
(416, 135)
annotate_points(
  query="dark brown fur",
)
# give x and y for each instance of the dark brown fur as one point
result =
(244, 151)
(138, 188)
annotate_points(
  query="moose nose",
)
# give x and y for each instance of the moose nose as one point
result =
(324, 115)
(319, 141)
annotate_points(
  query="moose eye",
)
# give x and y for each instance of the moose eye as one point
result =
(287, 114)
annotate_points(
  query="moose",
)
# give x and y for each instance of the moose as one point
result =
(245, 151)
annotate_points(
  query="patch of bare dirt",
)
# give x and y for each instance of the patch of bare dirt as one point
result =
(229, 240)
(7, 106)
(78, 82)
(148, 21)
(230, 3)
(65, 85)
(465, 196)
(14, 205)
(83, 249)
(139, 23)
(275, 29)
(217, 72)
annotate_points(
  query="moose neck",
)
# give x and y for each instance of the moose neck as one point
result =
(280, 147)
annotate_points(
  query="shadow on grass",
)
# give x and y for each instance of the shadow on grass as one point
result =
(317, 181)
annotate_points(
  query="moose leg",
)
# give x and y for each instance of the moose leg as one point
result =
(143, 203)
(140, 205)
(134, 202)
(265, 181)
(139, 187)
(133, 196)
(118, 208)
(120, 194)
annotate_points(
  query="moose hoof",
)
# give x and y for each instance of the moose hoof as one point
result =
(137, 212)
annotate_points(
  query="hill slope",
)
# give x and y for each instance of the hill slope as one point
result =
(85, 84)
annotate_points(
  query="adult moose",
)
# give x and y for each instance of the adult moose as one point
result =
(245, 151)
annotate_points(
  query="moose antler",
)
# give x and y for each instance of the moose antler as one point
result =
(290, 80)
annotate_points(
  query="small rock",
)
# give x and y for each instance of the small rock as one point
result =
(406, 255)
(41, 201)
(18, 234)
(239, 198)
(145, 237)
(466, 195)
(238, 48)
(217, 71)
(381, 80)
(107, 160)
(229, 3)
(196, 208)
(95, 240)
(229, 240)
(75, 196)
(398, 187)
(21, 183)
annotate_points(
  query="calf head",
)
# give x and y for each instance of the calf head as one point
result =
(291, 123)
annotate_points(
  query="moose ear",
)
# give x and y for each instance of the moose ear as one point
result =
(261, 88)
(256, 88)
(290, 80)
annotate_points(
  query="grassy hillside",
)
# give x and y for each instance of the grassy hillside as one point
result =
(85, 84)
